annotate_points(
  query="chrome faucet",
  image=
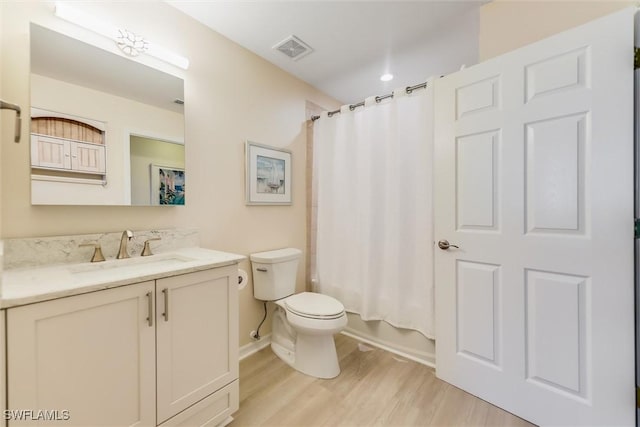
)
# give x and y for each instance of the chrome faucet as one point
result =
(126, 236)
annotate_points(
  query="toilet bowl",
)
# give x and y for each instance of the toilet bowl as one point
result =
(303, 337)
(303, 324)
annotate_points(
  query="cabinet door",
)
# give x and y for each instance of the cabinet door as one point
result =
(89, 158)
(197, 337)
(49, 152)
(91, 355)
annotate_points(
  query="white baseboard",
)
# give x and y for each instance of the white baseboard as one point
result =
(424, 359)
(253, 347)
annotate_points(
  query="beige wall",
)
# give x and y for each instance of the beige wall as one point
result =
(231, 95)
(508, 24)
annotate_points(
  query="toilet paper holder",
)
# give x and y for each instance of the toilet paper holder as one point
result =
(243, 278)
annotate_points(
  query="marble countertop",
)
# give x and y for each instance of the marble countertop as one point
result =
(29, 285)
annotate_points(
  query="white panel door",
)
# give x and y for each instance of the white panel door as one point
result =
(91, 355)
(534, 183)
(197, 337)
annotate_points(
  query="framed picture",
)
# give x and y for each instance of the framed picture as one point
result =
(167, 185)
(268, 175)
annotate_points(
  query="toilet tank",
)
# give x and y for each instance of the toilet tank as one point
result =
(274, 273)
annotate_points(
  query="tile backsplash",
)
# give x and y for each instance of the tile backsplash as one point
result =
(39, 251)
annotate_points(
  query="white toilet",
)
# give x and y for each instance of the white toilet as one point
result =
(304, 323)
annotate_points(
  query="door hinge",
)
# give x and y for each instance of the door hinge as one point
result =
(636, 228)
(636, 57)
(637, 397)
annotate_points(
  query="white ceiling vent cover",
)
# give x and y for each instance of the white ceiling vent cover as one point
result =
(294, 48)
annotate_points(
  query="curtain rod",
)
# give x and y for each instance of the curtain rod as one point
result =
(352, 107)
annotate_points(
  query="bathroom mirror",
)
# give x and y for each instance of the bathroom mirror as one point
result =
(105, 129)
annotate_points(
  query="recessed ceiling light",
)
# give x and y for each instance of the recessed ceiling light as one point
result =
(386, 77)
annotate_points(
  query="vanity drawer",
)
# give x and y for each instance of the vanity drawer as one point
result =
(211, 411)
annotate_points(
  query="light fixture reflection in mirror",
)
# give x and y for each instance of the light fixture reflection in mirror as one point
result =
(75, 85)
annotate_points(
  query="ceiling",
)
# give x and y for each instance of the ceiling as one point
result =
(354, 42)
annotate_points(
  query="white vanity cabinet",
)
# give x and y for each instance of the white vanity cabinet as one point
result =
(158, 352)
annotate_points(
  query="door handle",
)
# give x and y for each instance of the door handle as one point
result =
(165, 291)
(150, 307)
(444, 245)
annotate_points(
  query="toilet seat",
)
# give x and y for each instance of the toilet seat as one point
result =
(314, 306)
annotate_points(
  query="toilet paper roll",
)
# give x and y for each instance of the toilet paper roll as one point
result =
(242, 279)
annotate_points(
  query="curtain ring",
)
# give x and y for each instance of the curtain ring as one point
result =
(378, 99)
(330, 113)
(408, 90)
(352, 107)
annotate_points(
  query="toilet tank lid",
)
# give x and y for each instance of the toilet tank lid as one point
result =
(278, 255)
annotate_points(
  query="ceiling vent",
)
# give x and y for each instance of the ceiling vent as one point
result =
(294, 48)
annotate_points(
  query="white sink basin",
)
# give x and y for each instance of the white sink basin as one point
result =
(157, 261)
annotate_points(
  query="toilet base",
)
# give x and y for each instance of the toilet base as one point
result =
(312, 354)
(316, 356)
(286, 355)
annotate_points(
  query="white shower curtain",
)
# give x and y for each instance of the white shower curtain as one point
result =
(373, 182)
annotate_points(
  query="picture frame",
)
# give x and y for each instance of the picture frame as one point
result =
(167, 185)
(267, 175)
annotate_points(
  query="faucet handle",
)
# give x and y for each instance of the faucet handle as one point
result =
(146, 251)
(97, 252)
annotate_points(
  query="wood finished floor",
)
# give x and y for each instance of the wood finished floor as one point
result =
(375, 388)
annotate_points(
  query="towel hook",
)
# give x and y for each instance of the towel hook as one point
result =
(14, 107)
